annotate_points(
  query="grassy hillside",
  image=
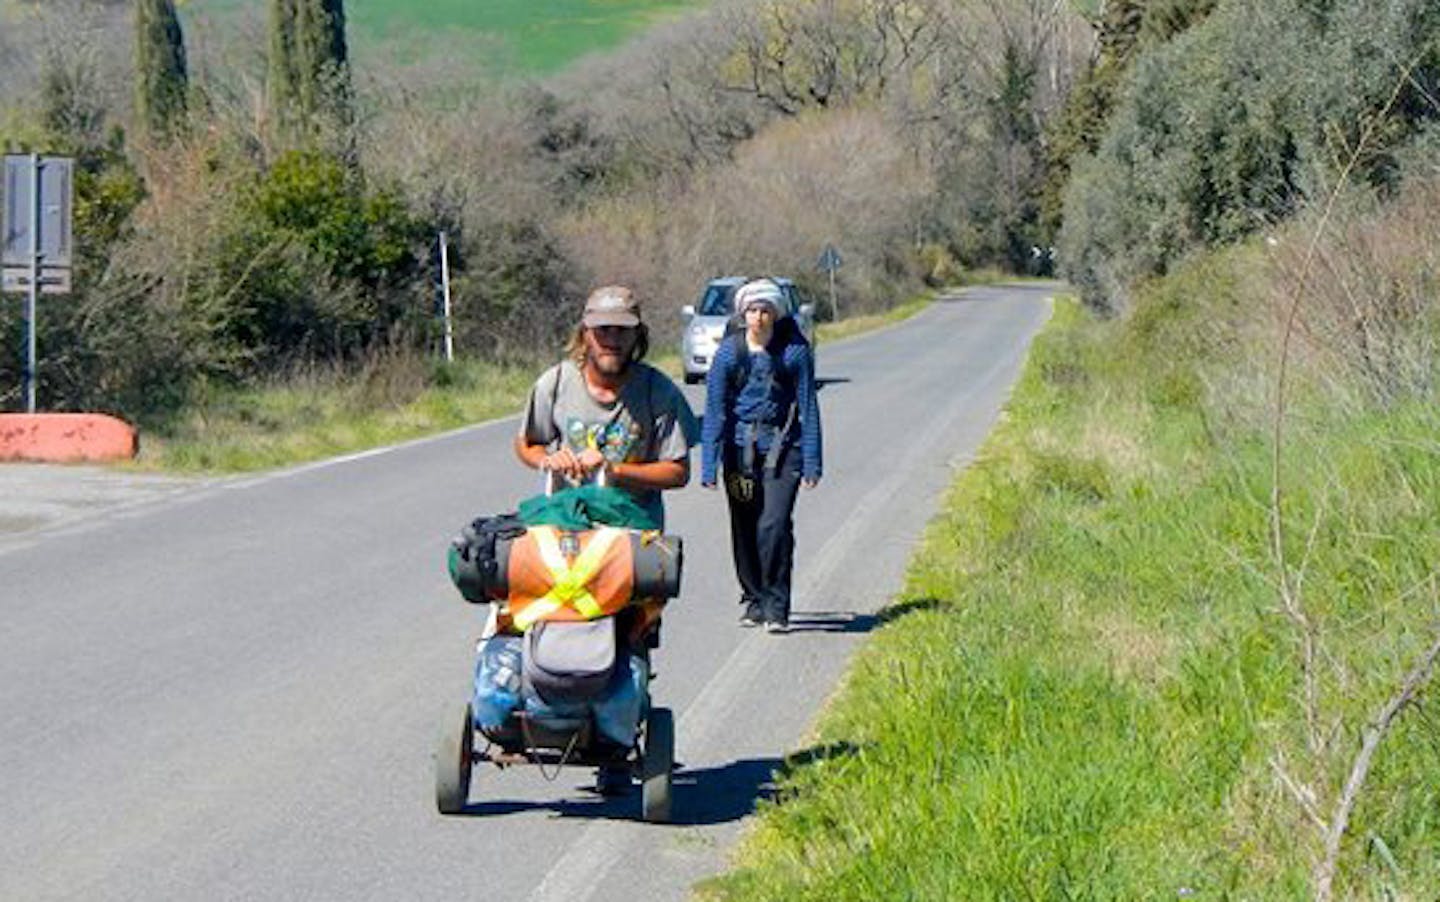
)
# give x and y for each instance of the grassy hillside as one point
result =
(1109, 676)
(533, 36)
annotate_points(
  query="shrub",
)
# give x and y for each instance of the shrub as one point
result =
(1241, 121)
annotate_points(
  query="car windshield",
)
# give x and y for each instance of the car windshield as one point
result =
(716, 301)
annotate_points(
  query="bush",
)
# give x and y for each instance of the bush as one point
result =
(841, 178)
(1241, 121)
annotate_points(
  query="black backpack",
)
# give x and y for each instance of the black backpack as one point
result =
(476, 567)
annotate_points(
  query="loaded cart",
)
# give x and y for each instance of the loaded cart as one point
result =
(562, 673)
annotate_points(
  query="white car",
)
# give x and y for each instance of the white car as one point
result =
(705, 321)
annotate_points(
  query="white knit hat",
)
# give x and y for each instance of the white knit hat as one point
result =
(760, 291)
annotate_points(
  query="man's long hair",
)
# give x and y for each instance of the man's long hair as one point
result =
(575, 350)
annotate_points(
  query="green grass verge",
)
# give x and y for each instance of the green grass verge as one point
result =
(320, 415)
(1087, 689)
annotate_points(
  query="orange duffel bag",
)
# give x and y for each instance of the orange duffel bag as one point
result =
(547, 573)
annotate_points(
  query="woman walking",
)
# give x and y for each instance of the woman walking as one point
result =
(762, 428)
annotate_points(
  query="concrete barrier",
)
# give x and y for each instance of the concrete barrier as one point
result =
(65, 437)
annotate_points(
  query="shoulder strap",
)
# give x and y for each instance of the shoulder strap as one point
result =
(772, 458)
(740, 372)
(555, 402)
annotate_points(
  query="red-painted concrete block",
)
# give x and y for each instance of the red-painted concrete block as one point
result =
(65, 437)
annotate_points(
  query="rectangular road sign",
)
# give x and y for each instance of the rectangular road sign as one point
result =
(56, 192)
(53, 280)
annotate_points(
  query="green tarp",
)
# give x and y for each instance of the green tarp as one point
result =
(585, 506)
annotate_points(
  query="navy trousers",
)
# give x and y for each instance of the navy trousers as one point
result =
(762, 540)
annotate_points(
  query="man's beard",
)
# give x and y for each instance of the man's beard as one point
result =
(609, 364)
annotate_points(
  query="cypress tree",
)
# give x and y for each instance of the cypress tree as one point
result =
(280, 79)
(309, 64)
(161, 78)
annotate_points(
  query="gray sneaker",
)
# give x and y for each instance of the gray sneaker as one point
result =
(776, 626)
(751, 615)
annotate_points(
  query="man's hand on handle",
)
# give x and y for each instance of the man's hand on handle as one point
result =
(575, 467)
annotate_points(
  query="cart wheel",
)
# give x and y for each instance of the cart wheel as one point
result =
(454, 755)
(657, 765)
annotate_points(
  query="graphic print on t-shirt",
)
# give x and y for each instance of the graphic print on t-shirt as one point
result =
(614, 439)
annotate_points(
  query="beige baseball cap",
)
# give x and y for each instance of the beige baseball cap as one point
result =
(612, 305)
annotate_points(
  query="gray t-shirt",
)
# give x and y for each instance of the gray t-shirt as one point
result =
(649, 421)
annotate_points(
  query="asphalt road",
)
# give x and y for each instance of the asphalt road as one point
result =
(230, 689)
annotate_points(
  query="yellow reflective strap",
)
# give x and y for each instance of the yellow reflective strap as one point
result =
(534, 611)
(547, 539)
(589, 561)
(570, 580)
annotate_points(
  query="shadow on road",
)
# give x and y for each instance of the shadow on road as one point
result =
(832, 622)
(702, 796)
(894, 612)
(717, 795)
(711, 795)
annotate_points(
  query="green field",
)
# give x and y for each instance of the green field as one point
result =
(532, 36)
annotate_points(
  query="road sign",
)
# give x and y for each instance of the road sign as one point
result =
(35, 239)
(53, 280)
(830, 259)
(56, 188)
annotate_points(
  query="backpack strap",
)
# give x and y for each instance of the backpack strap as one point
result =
(772, 457)
(740, 372)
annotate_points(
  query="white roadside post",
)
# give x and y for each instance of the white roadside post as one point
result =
(445, 293)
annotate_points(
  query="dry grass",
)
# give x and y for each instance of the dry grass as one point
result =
(1134, 651)
(1372, 303)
